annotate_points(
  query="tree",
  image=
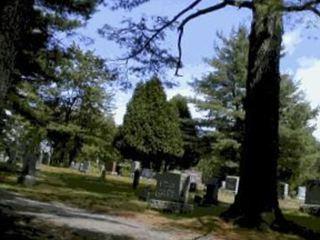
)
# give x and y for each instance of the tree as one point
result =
(29, 48)
(258, 167)
(298, 148)
(80, 106)
(189, 132)
(150, 132)
(224, 91)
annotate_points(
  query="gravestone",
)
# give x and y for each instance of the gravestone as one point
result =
(283, 190)
(147, 173)
(136, 165)
(195, 179)
(111, 167)
(211, 196)
(84, 167)
(313, 192)
(223, 185)
(301, 193)
(172, 192)
(232, 184)
(136, 179)
(312, 200)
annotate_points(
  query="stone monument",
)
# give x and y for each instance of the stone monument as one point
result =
(312, 199)
(171, 193)
(283, 190)
(301, 193)
(232, 184)
(211, 196)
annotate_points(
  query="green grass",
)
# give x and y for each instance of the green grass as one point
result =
(115, 195)
(81, 190)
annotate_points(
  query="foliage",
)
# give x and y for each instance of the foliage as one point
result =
(224, 92)
(150, 131)
(80, 108)
(189, 134)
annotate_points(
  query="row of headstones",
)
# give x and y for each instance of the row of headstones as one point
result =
(175, 187)
(81, 167)
(309, 194)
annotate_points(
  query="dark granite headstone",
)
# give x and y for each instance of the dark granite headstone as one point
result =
(211, 196)
(313, 192)
(232, 184)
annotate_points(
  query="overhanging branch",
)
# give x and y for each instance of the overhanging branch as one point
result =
(307, 6)
(168, 24)
(239, 4)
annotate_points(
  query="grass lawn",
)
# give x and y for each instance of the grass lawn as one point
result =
(115, 196)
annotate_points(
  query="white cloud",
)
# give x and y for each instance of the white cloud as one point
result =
(308, 73)
(291, 40)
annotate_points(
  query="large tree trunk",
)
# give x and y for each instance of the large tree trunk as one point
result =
(258, 167)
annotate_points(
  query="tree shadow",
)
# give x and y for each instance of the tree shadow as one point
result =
(16, 226)
(300, 229)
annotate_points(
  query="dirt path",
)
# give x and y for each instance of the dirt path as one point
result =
(81, 220)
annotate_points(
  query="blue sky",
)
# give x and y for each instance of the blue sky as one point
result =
(302, 59)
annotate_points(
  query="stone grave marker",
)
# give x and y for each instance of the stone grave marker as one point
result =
(136, 165)
(312, 199)
(283, 190)
(211, 196)
(313, 192)
(232, 184)
(301, 193)
(172, 192)
(195, 179)
(84, 167)
(147, 173)
(111, 167)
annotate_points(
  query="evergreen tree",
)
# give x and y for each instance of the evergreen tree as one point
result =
(224, 93)
(80, 105)
(189, 134)
(150, 132)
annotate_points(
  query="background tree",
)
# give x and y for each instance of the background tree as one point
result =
(150, 132)
(28, 50)
(80, 106)
(189, 133)
(223, 91)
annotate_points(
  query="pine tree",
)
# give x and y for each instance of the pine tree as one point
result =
(224, 94)
(189, 134)
(150, 132)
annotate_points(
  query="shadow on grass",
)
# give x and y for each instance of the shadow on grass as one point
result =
(14, 226)
(82, 191)
(305, 226)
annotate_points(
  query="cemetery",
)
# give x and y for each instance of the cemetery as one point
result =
(159, 120)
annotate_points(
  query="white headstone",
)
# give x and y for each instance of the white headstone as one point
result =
(302, 193)
(283, 190)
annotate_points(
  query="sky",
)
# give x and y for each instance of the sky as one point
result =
(301, 47)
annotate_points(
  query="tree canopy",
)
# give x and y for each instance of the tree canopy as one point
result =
(150, 132)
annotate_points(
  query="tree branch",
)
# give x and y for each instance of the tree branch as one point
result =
(238, 3)
(308, 6)
(168, 24)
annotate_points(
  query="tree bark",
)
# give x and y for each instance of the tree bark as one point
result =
(258, 167)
